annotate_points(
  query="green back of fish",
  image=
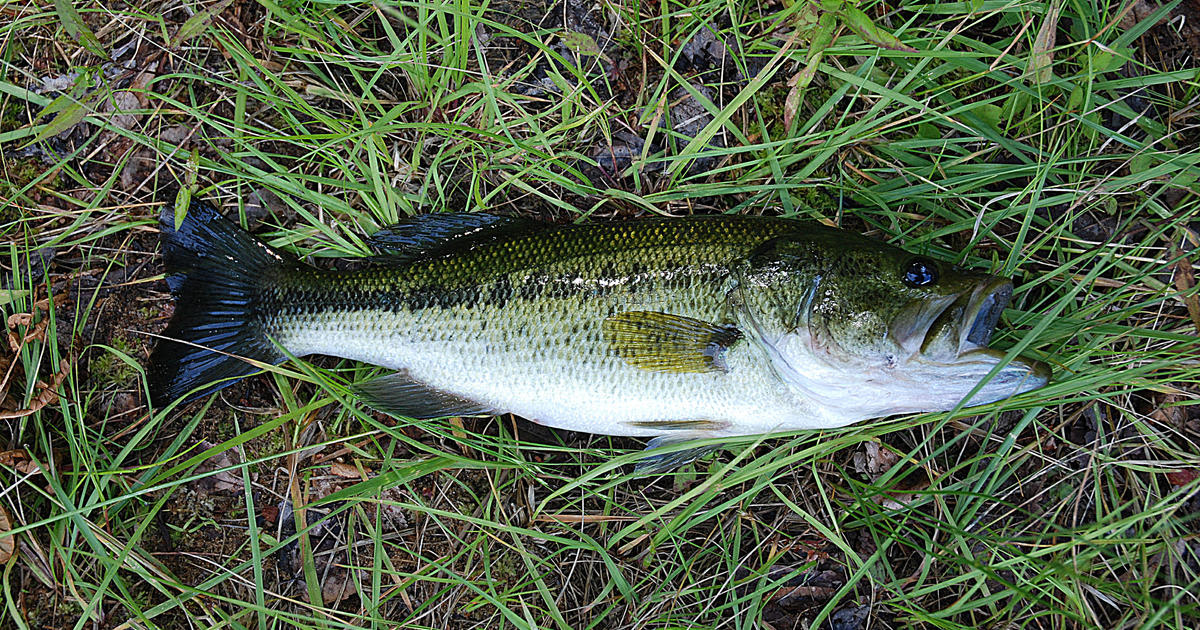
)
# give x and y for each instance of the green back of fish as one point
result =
(606, 264)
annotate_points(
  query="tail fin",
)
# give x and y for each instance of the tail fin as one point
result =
(214, 270)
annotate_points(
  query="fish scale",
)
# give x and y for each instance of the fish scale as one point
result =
(676, 328)
(546, 342)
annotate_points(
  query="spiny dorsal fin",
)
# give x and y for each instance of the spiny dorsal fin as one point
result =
(433, 235)
(662, 342)
(399, 395)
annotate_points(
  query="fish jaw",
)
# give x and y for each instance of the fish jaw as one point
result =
(1013, 377)
(839, 394)
(954, 356)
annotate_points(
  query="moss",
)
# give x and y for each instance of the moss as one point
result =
(14, 115)
(191, 512)
(16, 174)
(813, 199)
(48, 609)
(770, 101)
(108, 370)
(508, 571)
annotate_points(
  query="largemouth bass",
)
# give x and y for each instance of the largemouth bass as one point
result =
(675, 328)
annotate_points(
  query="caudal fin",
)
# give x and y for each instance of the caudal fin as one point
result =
(214, 270)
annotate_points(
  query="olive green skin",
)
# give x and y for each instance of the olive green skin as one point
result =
(859, 285)
(516, 324)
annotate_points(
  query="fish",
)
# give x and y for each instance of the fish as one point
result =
(674, 329)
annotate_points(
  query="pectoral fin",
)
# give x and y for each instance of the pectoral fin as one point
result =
(662, 342)
(397, 394)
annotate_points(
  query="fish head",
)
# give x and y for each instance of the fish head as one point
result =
(866, 329)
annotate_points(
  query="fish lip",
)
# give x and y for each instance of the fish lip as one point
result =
(976, 327)
(972, 314)
(955, 353)
(983, 311)
(975, 311)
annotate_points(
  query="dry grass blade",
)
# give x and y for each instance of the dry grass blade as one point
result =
(1041, 62)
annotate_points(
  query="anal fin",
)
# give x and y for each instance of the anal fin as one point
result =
(658, 463)
(400, 395)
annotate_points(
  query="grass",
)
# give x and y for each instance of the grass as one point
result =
(1068, 162)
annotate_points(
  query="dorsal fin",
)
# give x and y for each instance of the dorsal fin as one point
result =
(434, 235)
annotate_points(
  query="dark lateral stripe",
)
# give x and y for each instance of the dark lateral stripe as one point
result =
(343, 296)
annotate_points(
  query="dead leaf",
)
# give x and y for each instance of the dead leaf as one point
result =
(904, 491)
(1185, 281)
(38, 330)
(20, 461)
(223, 481)
(8, 543)
(11, 458)
(29, 467)
(335, 588)
(873, 460)
(812, 548)
(1182, 477)
(817, 585)
(876, 459)
(47, 394)
(391, 501)
(797, 83)
(344, 470)
(1168, 409)
(119, 107)
(1041, 59)
(20, 319)
(456, 428)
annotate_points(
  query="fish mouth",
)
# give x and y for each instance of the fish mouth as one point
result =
(950, 326)
(956, 328)
(958, 335)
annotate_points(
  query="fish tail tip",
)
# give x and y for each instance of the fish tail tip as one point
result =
(216, 272)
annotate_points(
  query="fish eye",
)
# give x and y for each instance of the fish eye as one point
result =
(920, 272)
